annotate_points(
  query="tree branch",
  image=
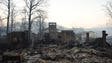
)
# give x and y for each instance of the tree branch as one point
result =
(109, 11)
(27, 3)
(37, 4)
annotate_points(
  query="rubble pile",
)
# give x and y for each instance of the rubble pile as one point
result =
(76, 54)
(58, 54)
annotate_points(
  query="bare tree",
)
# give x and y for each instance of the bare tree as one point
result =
(6, 3)
(109, 8)
(8, 16)
(42, 16)
(13, 15)
(24, 19)
(31, 5)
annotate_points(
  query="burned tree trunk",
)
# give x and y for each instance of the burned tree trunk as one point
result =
(8, 17)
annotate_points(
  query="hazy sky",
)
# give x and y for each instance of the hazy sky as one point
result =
(76, 13)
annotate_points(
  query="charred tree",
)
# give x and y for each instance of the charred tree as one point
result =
(31, 5)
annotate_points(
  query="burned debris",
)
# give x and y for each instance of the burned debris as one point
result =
(18, 39)
(100, 42)
(8, 57)
(56, 46)
(15, 40)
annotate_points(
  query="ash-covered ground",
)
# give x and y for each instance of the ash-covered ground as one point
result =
(67, 54)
